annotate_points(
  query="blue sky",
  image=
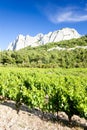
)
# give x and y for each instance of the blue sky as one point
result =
(40, 16)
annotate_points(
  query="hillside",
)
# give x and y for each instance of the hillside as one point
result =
(66, 54)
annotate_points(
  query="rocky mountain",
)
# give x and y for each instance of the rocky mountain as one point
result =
(41, 39)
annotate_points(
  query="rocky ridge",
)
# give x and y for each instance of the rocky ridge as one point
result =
(68, 49)
(41, 39)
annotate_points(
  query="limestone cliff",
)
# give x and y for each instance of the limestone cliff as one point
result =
(41, 39)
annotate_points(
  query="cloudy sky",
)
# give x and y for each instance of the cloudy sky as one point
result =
(40, 16)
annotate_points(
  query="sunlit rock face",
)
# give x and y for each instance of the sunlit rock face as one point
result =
(41, 39)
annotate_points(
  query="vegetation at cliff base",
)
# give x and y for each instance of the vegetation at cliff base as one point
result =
(42, 58)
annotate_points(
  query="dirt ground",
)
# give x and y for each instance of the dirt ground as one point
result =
(34, 120)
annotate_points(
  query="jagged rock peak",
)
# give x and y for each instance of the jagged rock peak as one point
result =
(41, 39)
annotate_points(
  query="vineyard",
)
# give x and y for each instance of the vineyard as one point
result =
(49, 90)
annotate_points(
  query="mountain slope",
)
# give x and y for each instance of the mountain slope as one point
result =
(40, 39)
(66, 54)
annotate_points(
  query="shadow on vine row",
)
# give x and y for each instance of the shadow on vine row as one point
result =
(60, 118)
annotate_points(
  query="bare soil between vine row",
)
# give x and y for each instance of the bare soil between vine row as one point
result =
(34, 119)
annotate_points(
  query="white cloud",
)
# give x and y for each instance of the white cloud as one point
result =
(68, 14)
